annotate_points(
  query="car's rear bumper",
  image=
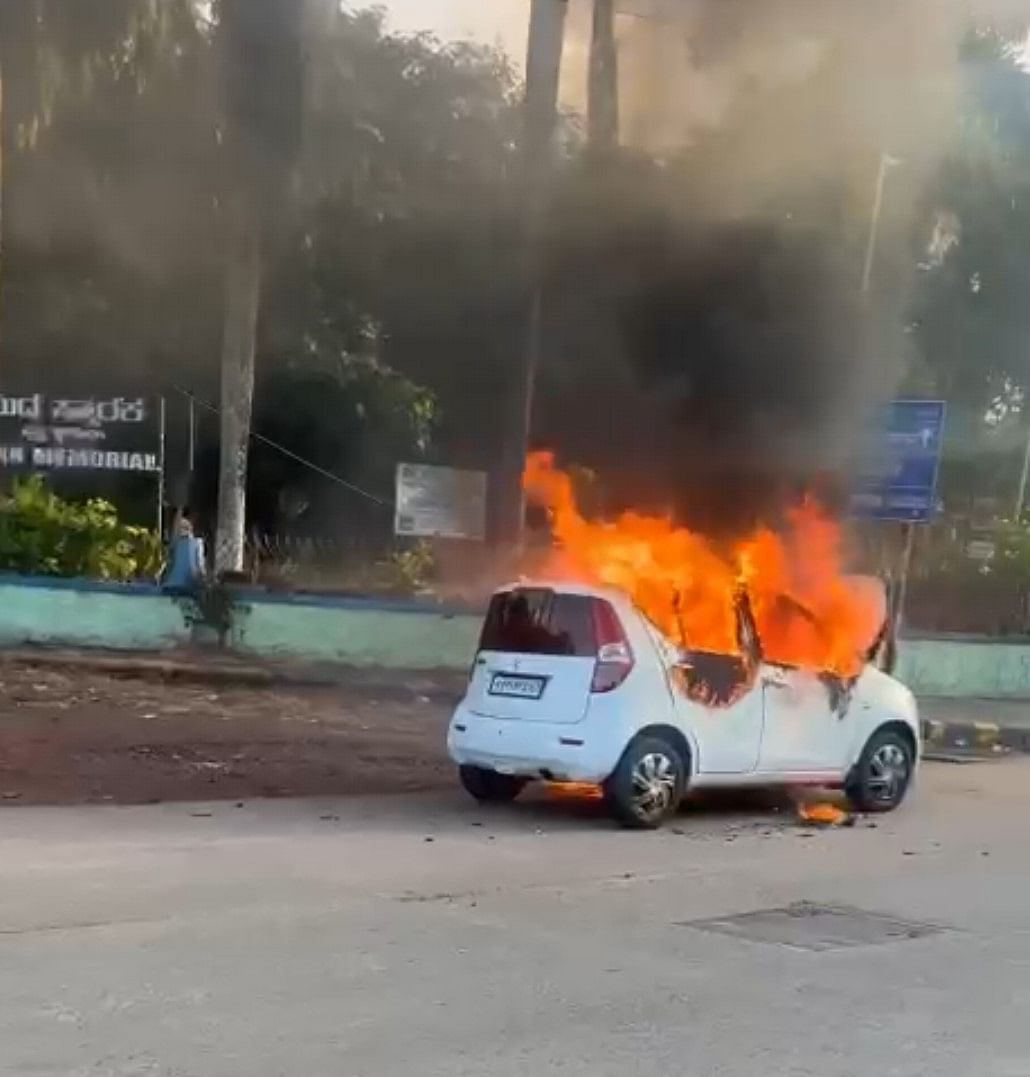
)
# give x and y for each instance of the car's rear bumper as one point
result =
(556, 752)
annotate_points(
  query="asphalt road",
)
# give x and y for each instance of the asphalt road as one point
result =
(421, 935)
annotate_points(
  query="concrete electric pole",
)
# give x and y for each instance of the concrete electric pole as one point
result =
(603, 91)
(543, 70)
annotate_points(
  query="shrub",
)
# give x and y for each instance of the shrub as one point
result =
(42, 534)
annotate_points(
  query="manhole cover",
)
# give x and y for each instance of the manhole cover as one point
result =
(806, 926)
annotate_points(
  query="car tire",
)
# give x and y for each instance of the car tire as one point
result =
(648, 784)
(883, 773)
(489, 787)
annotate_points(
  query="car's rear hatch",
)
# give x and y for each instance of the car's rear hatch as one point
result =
(537, 657)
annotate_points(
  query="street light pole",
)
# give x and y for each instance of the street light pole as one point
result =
(887, 162)
(1024, 476)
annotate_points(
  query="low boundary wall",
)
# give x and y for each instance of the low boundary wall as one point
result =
(390, 634)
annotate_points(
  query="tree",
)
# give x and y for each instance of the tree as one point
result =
(53, 52)
(971, 315)
(403, 248)
(107, 210)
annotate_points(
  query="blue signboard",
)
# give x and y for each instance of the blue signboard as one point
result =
(898, 477)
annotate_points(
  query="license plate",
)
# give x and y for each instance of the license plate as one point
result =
(515, 686)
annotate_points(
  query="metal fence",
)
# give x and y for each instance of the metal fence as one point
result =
(358, 564)
(952, 598)
(975, 605)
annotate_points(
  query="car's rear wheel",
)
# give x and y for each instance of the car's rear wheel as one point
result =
(883, 774)
(648, 784)
(490, 787)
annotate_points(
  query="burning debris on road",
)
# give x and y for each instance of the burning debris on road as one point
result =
(824, 813)
(808, 613)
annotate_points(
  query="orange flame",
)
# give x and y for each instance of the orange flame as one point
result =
(574, 791)
(822, 813)
(807, 611)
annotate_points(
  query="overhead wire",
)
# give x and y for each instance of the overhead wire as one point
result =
(310, 464)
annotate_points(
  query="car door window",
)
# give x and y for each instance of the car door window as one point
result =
(714, 680)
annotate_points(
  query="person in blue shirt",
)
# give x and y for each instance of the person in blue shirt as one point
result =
(185, 568)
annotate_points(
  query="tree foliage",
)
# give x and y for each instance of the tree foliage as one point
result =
(971, 316)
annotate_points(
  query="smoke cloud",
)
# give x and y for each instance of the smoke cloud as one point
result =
(718, 297)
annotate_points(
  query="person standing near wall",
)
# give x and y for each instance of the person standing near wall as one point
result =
(185, 566)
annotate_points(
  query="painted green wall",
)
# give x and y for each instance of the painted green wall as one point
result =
(396, 635)
(965, 669)
(64, 616)
(359, 636)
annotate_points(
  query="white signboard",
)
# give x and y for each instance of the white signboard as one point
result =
(440, 502)
(981, 550)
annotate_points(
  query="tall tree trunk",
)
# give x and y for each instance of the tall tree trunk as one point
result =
(239, 345)
(603, 106)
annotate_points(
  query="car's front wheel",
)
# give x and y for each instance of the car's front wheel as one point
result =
(490, 787)
(648, 784)
(883, 774)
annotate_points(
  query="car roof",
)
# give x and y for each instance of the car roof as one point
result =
(568, 587)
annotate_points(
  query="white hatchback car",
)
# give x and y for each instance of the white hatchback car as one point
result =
(574, 684)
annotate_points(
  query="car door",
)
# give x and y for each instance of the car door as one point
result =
(720, 706)
(806, 727)
(717, 699)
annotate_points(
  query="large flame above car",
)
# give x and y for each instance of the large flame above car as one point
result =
(808, 612)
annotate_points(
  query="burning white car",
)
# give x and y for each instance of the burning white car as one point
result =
(574, 684)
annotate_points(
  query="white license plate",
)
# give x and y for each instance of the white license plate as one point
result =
(513, 686)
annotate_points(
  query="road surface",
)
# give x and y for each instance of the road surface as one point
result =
(422, 935)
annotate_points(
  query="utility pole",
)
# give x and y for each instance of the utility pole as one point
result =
(1024, 477)
(262, 70)
(603, 91)
(18, 103)
(540, 115)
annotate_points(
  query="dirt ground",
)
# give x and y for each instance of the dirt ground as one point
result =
(74, 736)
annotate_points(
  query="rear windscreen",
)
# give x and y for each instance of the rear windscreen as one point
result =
(540, 622)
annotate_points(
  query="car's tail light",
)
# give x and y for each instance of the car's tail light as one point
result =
(614, 655)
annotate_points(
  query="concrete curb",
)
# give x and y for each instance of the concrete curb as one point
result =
(974, 736)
